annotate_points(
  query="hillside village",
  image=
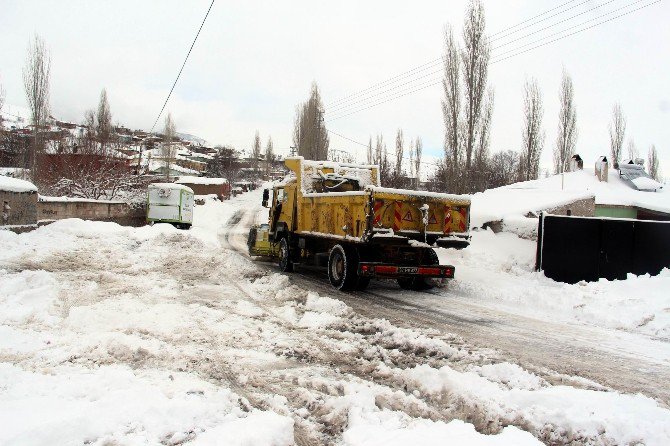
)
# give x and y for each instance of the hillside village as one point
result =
(135, 152)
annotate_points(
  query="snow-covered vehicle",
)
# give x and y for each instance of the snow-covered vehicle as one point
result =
(337, 215)
(170, 203)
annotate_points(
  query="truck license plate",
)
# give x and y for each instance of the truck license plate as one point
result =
(407, 270)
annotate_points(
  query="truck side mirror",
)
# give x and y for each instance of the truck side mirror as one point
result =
(266, 197)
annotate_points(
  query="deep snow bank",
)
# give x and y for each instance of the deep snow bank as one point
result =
(499, 269)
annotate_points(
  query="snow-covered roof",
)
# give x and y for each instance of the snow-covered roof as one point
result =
(172, 186)
(157, 164)
(8, 184)
(201, 180)
(558, 190)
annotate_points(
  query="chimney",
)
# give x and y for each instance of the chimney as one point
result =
(602, 169)
(576, 163)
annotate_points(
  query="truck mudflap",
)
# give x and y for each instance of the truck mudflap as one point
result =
(372, 269)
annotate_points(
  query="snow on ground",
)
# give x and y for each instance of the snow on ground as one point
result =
(499, 269)
(118, 335)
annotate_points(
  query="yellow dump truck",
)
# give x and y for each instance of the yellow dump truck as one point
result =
(337, 215)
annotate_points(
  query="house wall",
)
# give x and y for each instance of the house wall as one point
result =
(117, 212)
(23, 207)
(616, 211)
(526, 227)
(578, 208)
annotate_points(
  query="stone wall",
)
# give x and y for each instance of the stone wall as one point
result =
(526, 226)
(579, 208)
(23, 207)
(50, 209)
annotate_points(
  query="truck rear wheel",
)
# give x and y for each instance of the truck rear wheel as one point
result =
(342, 268)
(285, 263)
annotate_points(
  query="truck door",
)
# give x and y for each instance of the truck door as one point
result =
(278, 199)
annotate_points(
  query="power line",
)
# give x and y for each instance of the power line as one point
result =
(432, 63)
(367, 97)
(540, 21)
(563, 21)
(576, 32)
(339, 114)
(365, 145)
(182, 67)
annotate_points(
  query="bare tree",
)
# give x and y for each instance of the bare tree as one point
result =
(475, 56)
(399, 149)
(479, 169)
(617, 130)
(256, 151)
(104, 122)
(567, 126)
(87, 141)
(654, 168)
(533, 135)
(381, 158)
(633, 153)
(36, 74)
(418, 150)
(310, 135)
(378, 149)
(504, 168)
(451, 105)
(411, 159)
(269, 158)
(370, 154)
(168, 149)
(225, 164)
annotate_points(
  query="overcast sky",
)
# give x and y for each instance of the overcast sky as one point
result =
(255, 60)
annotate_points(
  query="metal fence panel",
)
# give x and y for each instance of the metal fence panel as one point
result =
(571, 249)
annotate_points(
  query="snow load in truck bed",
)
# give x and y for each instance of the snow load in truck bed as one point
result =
(314, 170)
(419, 193)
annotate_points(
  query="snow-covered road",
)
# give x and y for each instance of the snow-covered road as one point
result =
(113, 335)
(558, 348)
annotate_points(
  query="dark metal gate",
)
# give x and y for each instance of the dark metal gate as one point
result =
(570, 249)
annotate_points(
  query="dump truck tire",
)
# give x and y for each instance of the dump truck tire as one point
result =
(285, 263)
(342, 268)
(251, 240)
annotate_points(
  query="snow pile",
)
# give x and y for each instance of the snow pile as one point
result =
(94, 332)
(368, 425)
(510, 375)
(590, 414)
(28, 296)
(114, 404)
(9, 184)
(498, 270)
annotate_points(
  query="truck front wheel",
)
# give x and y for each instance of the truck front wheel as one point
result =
(342, 268)
(285, 263)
